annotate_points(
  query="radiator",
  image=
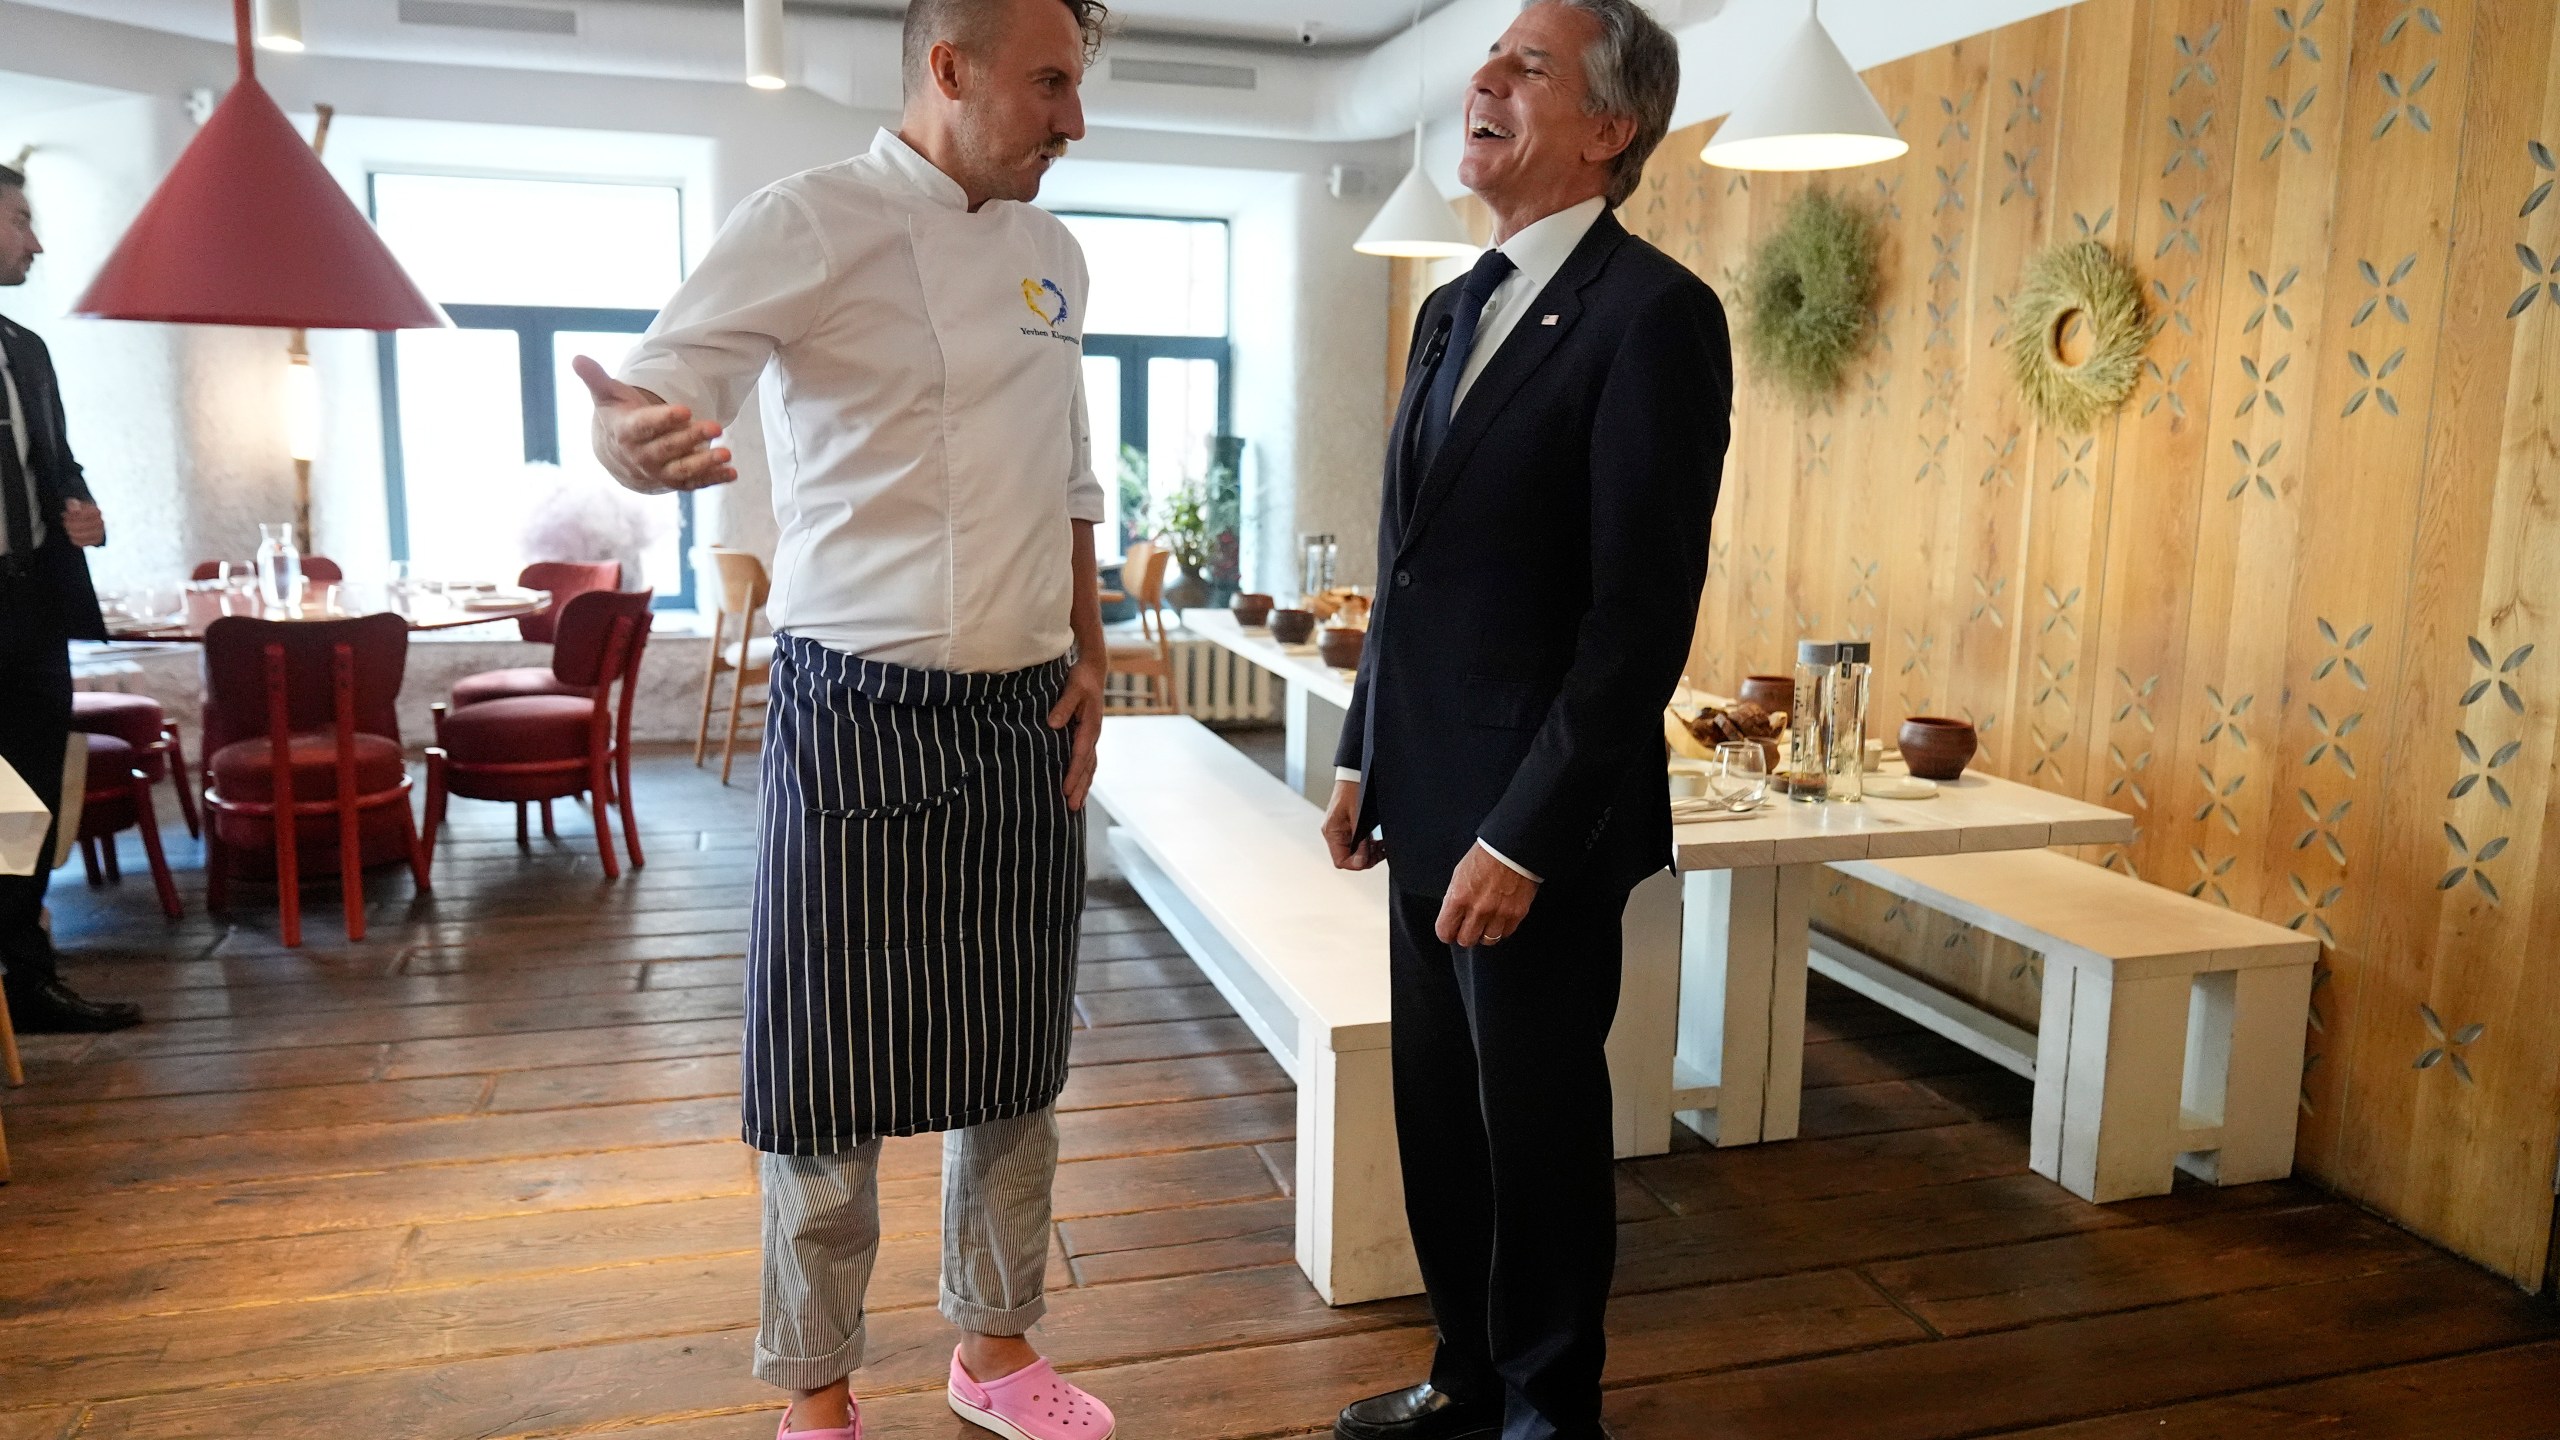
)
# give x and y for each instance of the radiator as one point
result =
(1218, 686)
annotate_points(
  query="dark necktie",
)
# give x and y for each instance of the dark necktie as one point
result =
(1491, 269)
(17, 505)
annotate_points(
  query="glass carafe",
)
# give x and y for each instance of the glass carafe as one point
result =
(1809, 723)
(279, 567)
(1849, 676)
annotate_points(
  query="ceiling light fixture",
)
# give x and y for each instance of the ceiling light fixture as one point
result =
(1809, 112)
(279, 25)
(1416, 223)
(764, 45)
(249, 229)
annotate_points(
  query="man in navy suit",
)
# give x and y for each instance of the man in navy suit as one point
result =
(46, 519)
(1549, 482)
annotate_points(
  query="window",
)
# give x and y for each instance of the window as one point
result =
(1155, 360)
(534, 273)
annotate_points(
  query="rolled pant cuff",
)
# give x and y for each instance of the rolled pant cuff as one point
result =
(792, 1373)
(979, 1319)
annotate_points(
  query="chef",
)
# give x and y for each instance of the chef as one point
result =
(937, 686)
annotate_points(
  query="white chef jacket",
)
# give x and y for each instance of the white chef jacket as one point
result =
(923, 406)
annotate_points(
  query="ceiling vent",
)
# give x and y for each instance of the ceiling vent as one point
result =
(471, 15)
(1171, 72)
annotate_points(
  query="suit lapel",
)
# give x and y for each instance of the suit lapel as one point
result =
(34, 381)
(1400, 435)
(1526, 348)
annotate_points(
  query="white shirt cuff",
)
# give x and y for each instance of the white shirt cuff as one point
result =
(1510, 864)
(1345, 772)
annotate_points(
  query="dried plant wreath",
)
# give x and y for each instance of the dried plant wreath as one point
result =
(1809, 294)
(2065, 287)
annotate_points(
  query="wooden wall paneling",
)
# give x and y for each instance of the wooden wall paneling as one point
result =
(2461, 942)
(2180, 215)
(2013, 186)
(1928, 367)
(2358, 593)
(1869, 457)
(1715, 234)
(2061, 707)
(2282, 146)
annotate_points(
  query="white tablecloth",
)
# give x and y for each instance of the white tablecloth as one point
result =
(22, 824)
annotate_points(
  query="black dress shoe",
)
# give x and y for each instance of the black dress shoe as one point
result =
(53, 1008)
(1420, 1413)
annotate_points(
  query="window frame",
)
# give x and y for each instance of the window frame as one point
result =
(535, 328)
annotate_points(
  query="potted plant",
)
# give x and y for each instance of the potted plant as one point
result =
(1185, 527)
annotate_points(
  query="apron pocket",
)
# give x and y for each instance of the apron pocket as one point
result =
(873, 761)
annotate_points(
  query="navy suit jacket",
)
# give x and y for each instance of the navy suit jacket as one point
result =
(62, 571)
(1536, 605)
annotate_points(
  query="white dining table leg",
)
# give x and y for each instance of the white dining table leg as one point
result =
(1738, 1071)
(1314, 733)
(1644, 1040)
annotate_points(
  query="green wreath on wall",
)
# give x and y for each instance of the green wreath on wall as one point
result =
(1809, 293)
(2064, 288)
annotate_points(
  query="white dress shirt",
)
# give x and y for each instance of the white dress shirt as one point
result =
(923, 406)
(1537, 251)
(15, 412)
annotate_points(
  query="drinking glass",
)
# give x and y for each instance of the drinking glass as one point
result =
(1741, 778)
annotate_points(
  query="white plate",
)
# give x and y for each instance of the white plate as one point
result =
(1888, 786)
(503, 600)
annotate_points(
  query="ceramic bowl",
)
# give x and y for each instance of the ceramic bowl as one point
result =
(1251, 610)
(1937, 748)
(1772, 693)
(1341, 647)
(1292, 627)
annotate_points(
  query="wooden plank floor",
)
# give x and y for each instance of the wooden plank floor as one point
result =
(478, 1176)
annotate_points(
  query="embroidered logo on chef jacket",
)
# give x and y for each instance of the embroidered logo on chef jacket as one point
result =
(1044, 299)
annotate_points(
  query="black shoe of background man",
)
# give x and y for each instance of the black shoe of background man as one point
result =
(1420, 1413)
(53, 1008)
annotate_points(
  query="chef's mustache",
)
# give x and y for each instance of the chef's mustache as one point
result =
(1055, 149)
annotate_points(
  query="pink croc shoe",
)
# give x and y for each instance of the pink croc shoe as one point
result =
(850, 1432)
(1032, 1403)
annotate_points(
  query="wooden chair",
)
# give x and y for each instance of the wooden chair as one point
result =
(327, 765)
(1147, 661)
(318, 569)
(564, 581)
(744, 587)
(553, 747)
(116, 798)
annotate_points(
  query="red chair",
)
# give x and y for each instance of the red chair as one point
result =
(553, 747)
(565, 582)
(327, 758)
(318, 569)
(138, 721)
(116, 798)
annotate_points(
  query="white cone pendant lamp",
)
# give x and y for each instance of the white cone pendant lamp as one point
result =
(1416, 223)
(1810, 111)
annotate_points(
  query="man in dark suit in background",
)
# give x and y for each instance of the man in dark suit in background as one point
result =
(46, 517)
(1549, 483)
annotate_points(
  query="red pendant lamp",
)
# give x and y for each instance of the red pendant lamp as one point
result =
(248, 229)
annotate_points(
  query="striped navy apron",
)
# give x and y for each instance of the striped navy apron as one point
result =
(911, 950)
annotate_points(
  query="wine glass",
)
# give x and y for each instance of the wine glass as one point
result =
(1741, 777)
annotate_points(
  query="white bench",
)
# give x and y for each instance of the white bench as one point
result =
(2172, 1029)
(1229, 859)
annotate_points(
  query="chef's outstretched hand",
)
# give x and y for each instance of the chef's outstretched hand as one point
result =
(647, 444)
(1081, 707)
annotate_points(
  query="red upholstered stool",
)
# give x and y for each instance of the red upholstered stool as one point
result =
(118, 798)
(541, 748)
(138, 721)
(488, 685)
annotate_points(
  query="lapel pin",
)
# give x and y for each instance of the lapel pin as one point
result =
(1546, 319)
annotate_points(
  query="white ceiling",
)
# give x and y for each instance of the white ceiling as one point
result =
(1273, 22)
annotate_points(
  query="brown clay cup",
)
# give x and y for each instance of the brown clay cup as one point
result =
(1772, 693)
(1937, 748)
(1251, 609)
(1340, 647)
(1292, 627)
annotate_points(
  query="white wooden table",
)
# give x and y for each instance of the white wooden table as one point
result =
(23, 818)
(1318, 695)
(1733, 1031)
